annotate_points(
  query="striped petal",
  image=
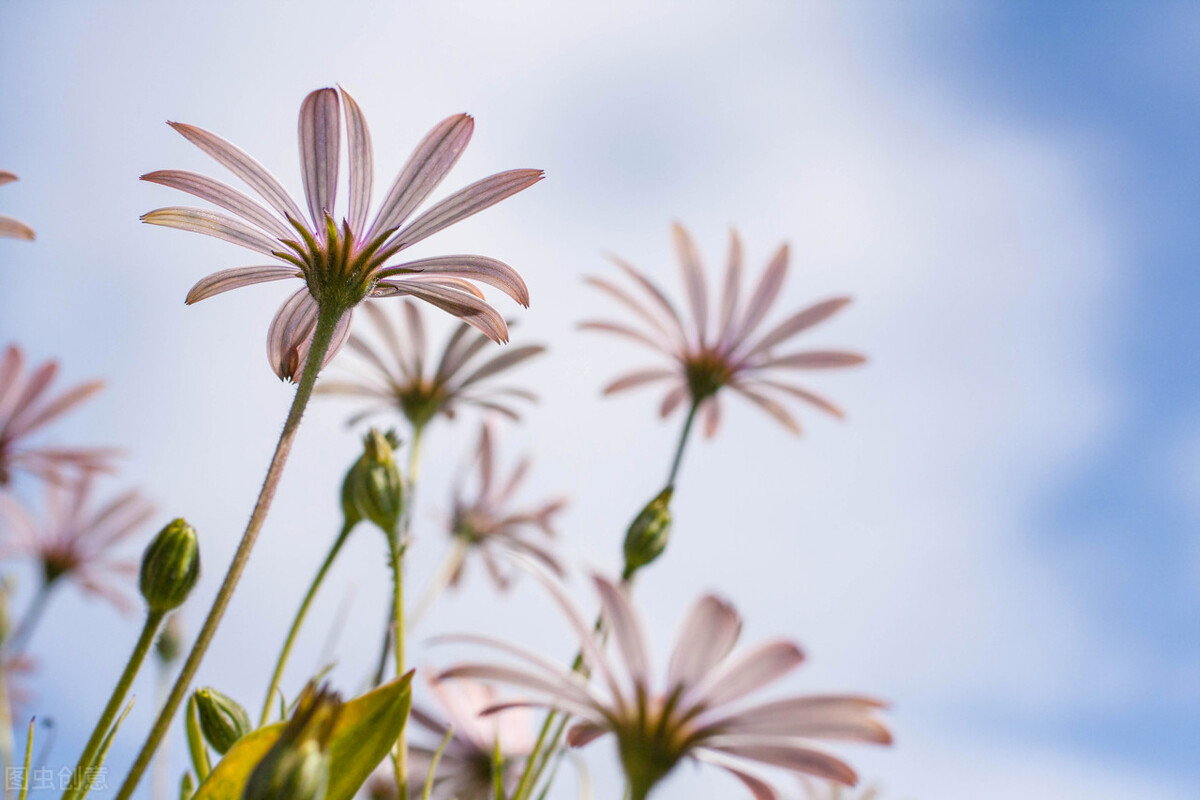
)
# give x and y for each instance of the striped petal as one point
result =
(295, 320)
(320, 144)
(237, 277)
(817, 717)
(478, 268)
(468, 308)
(223, 195)
(6, 177)
(693, 279)
(362, 162)
(213, 223)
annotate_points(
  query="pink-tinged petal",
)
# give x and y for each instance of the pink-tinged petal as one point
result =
(416, 336)
(405, 359)
(789, 756)
(625, 331)
(756, 668)
(639, 378)
(373, 358)
(555, 704)
(693, 279)
(548, 668)
(27, 422)
(655, 293)
(295, 320)
(429, 163)
(626, 299)
(6, 177)
(469, 309)
(758, 787)
(465, 203)
(362, 163)
(798, 322)
(237, 277)
(584, 733)
(801, 394)
(458, 351)
(730, 296)
(776, 410)
(673, 400)
(13, 228)
(710, 414)
(814, 359)
(11, 368)
(31, 391)
(216, 224)
(559, 690)
(628, 631)
(763, 298)
(352, 388)
(223, 195)
(844, 717)
(478, 268)
(320, 144)
(446, 282)
(506, 360)
(487, 459)
(341, 333)
(242, 164)
(707, 637)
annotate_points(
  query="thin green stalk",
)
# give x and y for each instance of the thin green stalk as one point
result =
(347, 526)
(683, 440)
(28, 759)
(327, 320)
(401, 753)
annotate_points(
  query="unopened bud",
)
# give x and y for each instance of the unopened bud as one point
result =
(297, 765)
(648, 533)
(187, 787)
(170, 567)
(378, 486)
(169, 646)
(222, 720)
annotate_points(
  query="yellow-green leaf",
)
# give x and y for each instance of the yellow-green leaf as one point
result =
(366, 729)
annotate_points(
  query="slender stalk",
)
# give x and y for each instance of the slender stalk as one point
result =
(327, 320)
(29, 621)
(683, 440)
(161, 769)
(442, 578)
(347, 526)
(401, 753)
(140, 649)
(7, 738)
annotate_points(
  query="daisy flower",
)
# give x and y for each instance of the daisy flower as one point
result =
(399, 376)
(707, 354)
(26, 406)
(76, 539)
(700, 711)
(466, 770)
(343, 263)
(9, 227)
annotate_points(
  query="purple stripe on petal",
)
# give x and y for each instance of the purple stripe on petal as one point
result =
(320, 145)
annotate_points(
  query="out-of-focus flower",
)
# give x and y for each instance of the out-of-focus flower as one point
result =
(399, 377)
(10, 227)
(466, 770)
(825, 790)
(26, 407)
(484, 522)
(708, 357)
(699, 712)
(76, 540)
(342, 264)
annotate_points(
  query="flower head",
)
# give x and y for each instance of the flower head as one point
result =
(76, 540)
(485, 522)
(26, 407)
(466, 770)
(399, 376)
(706, 358)
(344, 262)
(9, 227)
(699, 712)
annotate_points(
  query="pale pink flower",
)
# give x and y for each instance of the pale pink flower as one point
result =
(699, 712)
(342, 264)
(486, 523)
(466, 770)
(398, 375)
(26, 407)
(710, 353)
(825, 790)
(10, 227)
(76, 540)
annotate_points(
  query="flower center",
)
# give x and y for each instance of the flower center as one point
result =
(707, 371)
(340, 270)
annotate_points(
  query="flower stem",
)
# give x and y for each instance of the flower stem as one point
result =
(347, 526)
(327, 319)
(29, 621)
(440, 580)
(153, 620)
(683, 439)
(401, 753)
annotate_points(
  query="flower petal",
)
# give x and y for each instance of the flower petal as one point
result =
(626, 331)
(320, 145)
(362, 163)
(584, 733)
(237, 277)
(672, 400)
(6, 177)
(798, 322)
(15, 229)
(655, 293)
(223, 195)
(789, 756)
(468, 308)
(763, 298)
(506, 360)
(799, 393)
(478, 268)
(213, 223)
(754, 669)
(631, 303)
(814, 359)
(769, 405)
(628, 630)
(729, 297)
(710, 412)
(707, 637)
(631, 380)
(693, 279)
(23, 424)
(295, 320)
(816, 717)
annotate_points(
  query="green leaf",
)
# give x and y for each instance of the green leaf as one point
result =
(366, 729)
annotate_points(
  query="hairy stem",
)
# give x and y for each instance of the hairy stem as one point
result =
(327, 320)
(401, 753)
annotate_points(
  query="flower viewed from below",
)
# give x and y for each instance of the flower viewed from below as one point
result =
(466, 770)
(825, 790)
(76, 540)
(699, 712)
(708, 357)
(485, 522)
(343, 262)
(398, 376)
(26, 408)
(10, 227)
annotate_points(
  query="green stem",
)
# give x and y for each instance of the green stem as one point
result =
(327, 320)
(153, 620)
(347, 526)
(683, 439)
(401, 755)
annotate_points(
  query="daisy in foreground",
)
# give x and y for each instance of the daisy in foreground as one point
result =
(10, 227)
(26, 407)
(708, 355)
(341, 263)
(698, 713)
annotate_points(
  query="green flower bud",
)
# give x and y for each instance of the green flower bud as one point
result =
(169, 646)
(648, 533)
(222, 720)
(170, 567)
(297, 765)
(187, 787)
(378, 487)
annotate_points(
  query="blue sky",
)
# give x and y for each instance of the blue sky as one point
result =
(1002, 538)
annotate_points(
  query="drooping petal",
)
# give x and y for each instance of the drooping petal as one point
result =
(341, 333)
(213, 223)
(584, 733)
(362, 163)
(798, 322)
(320, 145)
(295, 320)
(639, 378)
(758, 787)
(468, 308)
(693, 279)
(6, 177)
(707, 637)
(769, 405)
(710, 413)
(237, 277)
(223, 195)
(478, 268)
(429, 163)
